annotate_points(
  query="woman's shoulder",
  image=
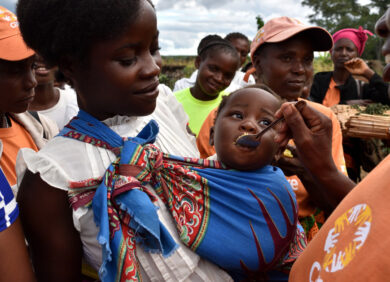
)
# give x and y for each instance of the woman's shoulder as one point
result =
(321, 108)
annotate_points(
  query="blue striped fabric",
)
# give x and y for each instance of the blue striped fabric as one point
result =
(8, 208)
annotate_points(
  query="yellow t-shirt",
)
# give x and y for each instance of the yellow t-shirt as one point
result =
(197, 110)
(13, 138)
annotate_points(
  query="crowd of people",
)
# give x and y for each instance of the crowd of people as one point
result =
(108, 175)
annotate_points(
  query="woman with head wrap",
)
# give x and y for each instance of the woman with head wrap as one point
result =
(340, 85)
(352, 82)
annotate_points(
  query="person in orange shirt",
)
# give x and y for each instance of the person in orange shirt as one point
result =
(18, 128)
(282, 53)
(352, 245)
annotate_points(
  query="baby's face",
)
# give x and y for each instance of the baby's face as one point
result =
(248, 111)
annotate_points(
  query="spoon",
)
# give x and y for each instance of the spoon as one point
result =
(253, 140)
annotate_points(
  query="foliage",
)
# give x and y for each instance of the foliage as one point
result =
(323, 62)
(259, 21)
(338, 14)
(372, 109)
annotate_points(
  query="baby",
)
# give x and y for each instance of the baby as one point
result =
(248, 110)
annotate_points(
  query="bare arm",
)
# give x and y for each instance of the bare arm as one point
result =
(312, 135)
(15, 264)
(47, 221)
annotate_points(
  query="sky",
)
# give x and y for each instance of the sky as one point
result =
(183, 23)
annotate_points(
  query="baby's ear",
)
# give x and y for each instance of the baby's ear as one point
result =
(197, 62)
(211, 140)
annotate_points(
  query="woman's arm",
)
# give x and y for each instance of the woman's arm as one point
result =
(15, 264)
(48, 225)
(375, 89)
(312, 135)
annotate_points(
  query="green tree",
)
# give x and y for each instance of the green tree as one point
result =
(338, 14)
(259, 21)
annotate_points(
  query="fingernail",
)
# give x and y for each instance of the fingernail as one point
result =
(288, 110)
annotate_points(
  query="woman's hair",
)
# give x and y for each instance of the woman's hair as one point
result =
(236, 35)
(210, 44)
(226, 99)
(68, 28)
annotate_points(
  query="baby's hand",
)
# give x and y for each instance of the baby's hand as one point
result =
(356, 66)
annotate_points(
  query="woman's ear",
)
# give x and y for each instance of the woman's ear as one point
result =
(198, 60)
(67, 67)
(211, 139)
(257, 66)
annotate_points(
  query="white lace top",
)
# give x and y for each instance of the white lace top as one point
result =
(63, 160)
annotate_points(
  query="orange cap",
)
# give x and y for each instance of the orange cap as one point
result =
(12, 46)
(283, 28)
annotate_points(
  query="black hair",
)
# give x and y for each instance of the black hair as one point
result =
(236, 35)
(68, 28)
(212, 43)
(226, 99)
(247, 66)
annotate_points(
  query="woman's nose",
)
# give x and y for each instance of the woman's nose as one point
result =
(150, 66)
(30, 81)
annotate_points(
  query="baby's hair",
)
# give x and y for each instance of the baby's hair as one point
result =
(236, 35)
(212, 43)
(68, 28)
(226, 99)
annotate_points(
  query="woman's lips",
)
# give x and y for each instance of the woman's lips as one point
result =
(149, 92)
(42, 71)
(28, 99)
(296, 83)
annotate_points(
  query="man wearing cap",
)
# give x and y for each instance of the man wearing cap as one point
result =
(18, 128)
(282, 53)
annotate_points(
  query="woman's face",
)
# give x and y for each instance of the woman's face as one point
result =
(249, 110)
(122, 73)
(343, 51)
(43, 74)
(215, 73)
(17, 83)
(382, 28)
(242, 47)
(286, 67)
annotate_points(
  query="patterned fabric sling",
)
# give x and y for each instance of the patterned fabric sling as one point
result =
(245, 222)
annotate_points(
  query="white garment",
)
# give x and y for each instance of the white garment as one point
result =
(63, 160)
(65, 109)
(237, 82)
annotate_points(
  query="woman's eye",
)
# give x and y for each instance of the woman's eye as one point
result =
(127, 62)
(309, 60)
(155, 50)
(286, 59)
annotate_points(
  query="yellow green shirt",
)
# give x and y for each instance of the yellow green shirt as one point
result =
(197, 110)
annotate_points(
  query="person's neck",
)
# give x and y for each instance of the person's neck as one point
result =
(198, 93)
(46, 96)
(340, 75)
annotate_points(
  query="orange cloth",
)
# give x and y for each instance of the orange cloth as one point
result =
(332, 96)
(203, 138)
(352, 245)
(306, 207)
(13, 138)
